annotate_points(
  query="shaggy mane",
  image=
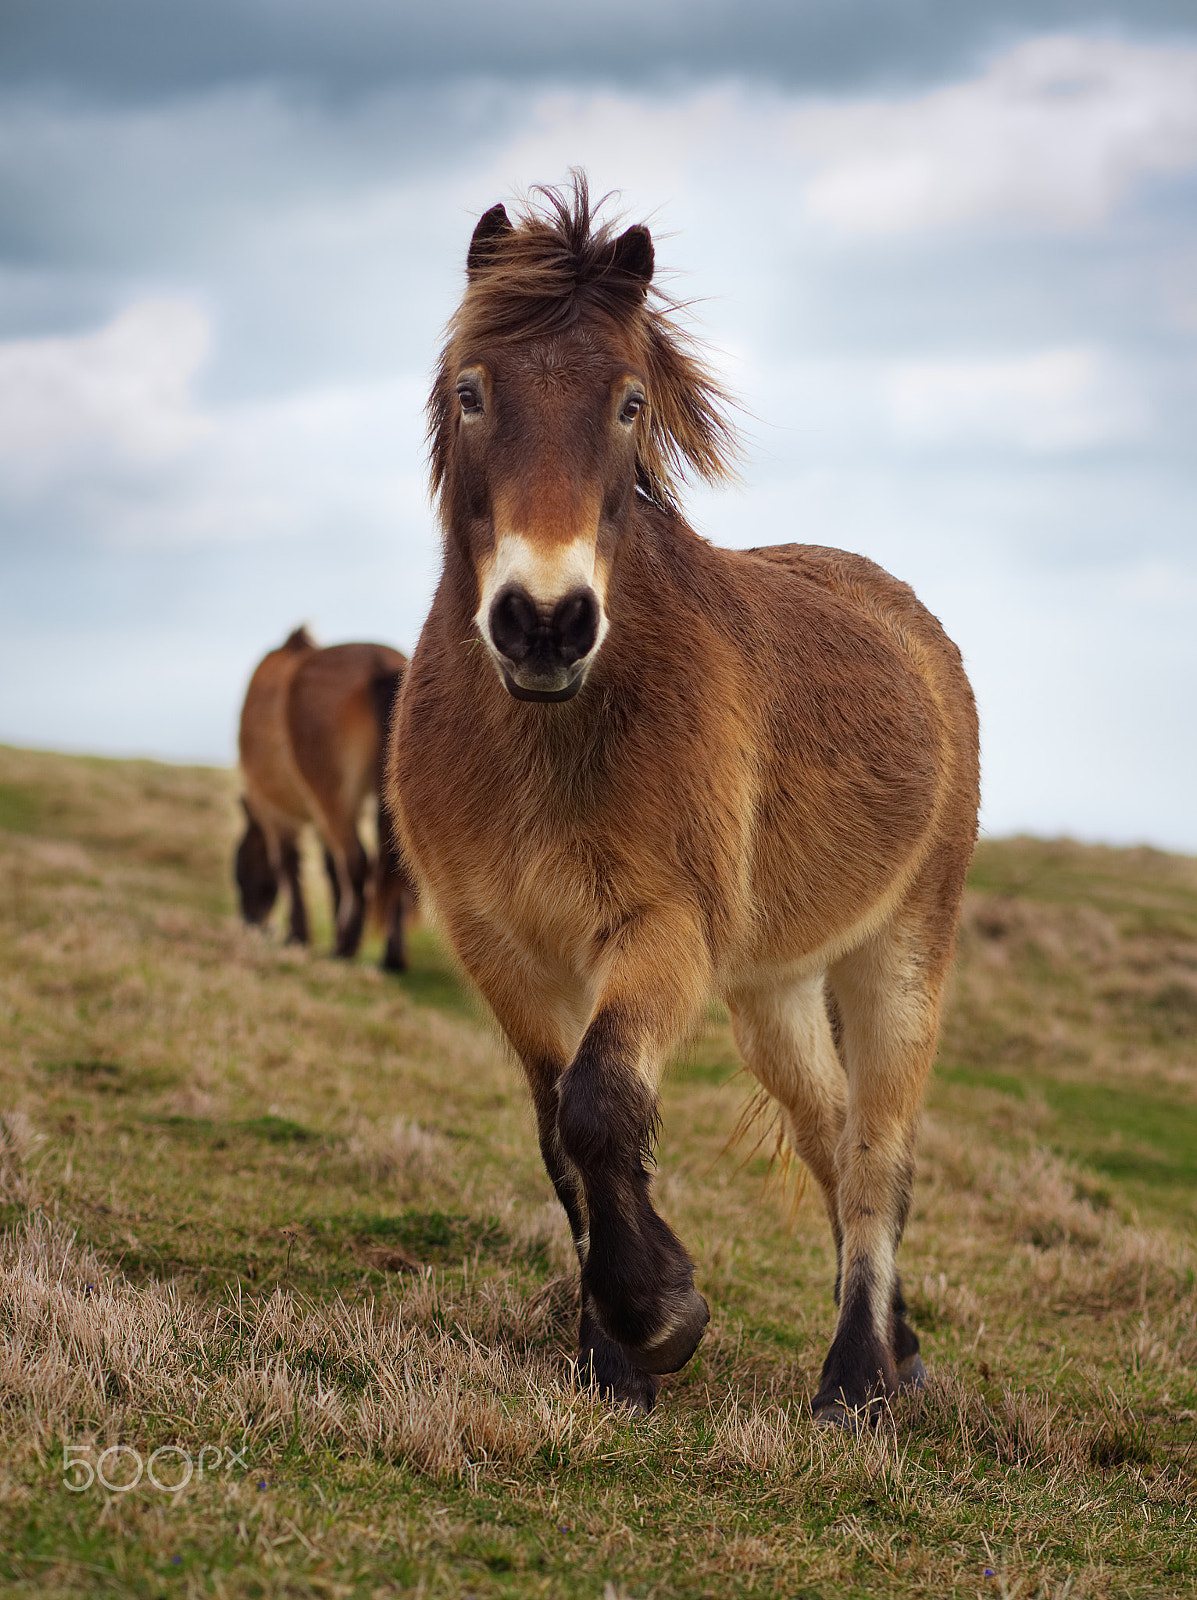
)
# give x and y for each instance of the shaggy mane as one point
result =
(554, 268)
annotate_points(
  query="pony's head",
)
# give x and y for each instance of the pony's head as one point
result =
(257, 881)
(565, 392)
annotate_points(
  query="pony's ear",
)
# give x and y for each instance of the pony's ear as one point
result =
(493, 225)
(632, 253)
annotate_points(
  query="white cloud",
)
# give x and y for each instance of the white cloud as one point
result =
(102, 432)
(325, 463)
(126, 388)
(1055, 131)
(1053, 400)
(923, 399)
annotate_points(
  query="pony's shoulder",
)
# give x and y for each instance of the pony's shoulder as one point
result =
(823, 564)
(842, 573)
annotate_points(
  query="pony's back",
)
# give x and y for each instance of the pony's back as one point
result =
(273, 786)
(337, 718)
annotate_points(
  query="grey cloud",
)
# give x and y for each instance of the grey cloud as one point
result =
(307, 177)
(144, 48)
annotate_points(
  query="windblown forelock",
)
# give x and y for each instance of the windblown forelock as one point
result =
(554, 269)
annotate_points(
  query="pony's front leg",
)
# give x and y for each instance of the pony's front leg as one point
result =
(637, 1280)
(602, 1362)
(527, 1014)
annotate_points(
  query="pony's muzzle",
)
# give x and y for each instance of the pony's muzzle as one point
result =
(543, 651)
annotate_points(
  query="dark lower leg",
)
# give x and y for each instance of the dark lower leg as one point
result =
(903, 1339)
(352, 915)
(297, 931)
(905, 1344)
(395, 893)
(875, 1351)
(601, 1362)
(394, 955)
(636, 1275)
(860, 1365)
(334, 881)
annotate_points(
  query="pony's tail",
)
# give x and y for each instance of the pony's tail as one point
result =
(384, 687)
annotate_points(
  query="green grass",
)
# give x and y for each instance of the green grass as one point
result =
(270, 1205)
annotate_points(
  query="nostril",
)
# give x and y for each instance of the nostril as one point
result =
(514, 624)
(575, 624)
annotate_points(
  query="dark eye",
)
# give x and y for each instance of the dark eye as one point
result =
(470, 399)
(632, 408)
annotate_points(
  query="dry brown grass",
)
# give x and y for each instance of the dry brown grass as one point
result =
(292, 1210)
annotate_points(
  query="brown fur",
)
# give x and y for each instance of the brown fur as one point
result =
(760, 782)
(313, 730)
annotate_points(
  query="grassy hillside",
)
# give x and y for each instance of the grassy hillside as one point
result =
(288, 1216)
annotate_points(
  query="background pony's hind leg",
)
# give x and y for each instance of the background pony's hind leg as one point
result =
(888, 993)
(352, 870)
(394, 893)
(334, 881)
(297, 928)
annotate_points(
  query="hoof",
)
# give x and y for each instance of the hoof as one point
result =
(605, 1366)
(912, 1374)
(680, 1338)
(638, 1398)
(848, 1419)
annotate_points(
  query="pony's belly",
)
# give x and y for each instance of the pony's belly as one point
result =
(789, 950)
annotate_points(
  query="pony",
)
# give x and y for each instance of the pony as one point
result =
(631, 771)
(311, 741)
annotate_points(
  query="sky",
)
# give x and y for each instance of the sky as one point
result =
(944, 253)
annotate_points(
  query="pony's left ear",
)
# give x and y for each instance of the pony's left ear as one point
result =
(633, 253)
(493, 225)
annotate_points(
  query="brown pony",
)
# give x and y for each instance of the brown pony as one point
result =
(313, 729)
(632, 770)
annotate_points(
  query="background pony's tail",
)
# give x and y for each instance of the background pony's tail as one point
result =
(394, 891)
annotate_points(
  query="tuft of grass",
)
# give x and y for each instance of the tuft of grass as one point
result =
(287, 1215)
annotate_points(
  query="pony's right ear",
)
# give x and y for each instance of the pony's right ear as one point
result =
(633, 253)
(493, 225)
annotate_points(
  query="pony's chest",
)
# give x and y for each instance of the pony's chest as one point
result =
(553, 891)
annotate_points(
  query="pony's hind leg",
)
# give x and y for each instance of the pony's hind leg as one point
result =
(297, 928)
(395, 895)
(784, 1034)
(334, 881)
(353, 870)
(888, 993)
(788, 1039)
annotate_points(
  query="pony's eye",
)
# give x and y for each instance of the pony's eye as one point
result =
(632, 408)
(470, 399)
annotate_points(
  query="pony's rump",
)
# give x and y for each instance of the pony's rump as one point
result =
(313, 732)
